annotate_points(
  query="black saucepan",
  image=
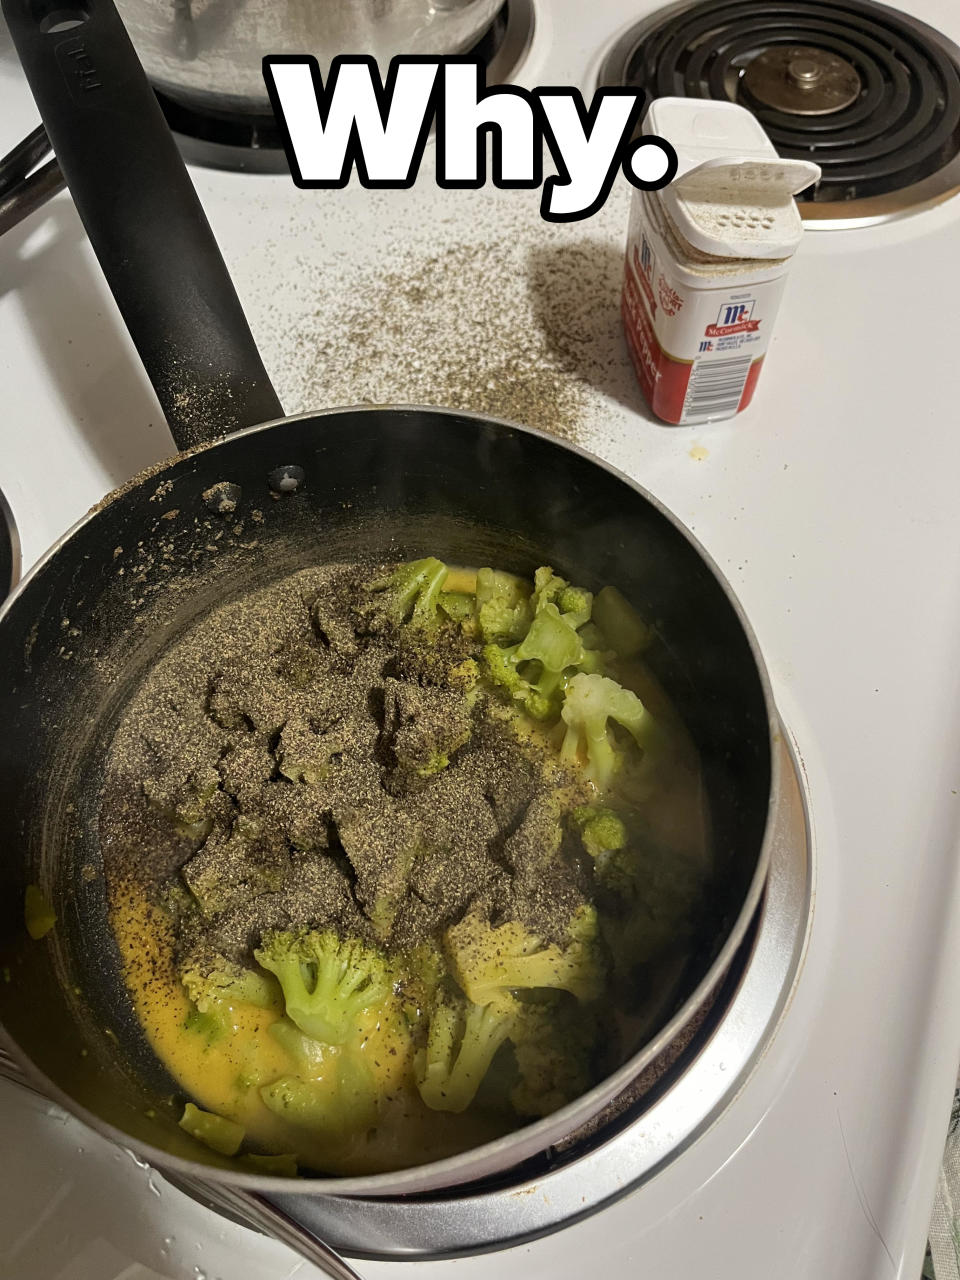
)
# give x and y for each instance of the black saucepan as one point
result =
(93, 616)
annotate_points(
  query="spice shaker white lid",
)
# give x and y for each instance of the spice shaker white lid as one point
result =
(732, 195)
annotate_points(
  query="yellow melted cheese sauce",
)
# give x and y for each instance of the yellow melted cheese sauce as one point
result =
(223, 1070)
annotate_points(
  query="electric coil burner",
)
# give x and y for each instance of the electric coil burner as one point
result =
(869, 93)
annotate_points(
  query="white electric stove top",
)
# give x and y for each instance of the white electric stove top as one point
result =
(832, 507)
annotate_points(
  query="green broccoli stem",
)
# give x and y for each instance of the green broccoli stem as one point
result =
(410, 594)
(216, 1132)
(327, 982)
(344, 1102)
(532, 671)
(504, 611)
(488, 961)
(591, 702)
(449, 1072)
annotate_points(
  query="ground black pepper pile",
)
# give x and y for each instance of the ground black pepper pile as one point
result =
(275, 768)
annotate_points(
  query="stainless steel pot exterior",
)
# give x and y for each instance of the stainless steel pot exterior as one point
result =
(207, 53)
(380, 482)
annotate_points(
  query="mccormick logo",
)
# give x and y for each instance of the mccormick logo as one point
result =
(734, 317)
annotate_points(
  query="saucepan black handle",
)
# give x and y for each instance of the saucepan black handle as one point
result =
(143, 216)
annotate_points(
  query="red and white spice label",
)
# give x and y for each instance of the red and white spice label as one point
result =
(697, 347)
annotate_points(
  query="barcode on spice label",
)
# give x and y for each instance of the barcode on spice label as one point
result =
(715, 387)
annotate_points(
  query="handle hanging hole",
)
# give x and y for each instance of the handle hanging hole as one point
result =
(55, 19)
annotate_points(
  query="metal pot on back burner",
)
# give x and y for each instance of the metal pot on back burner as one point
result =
(206, 54)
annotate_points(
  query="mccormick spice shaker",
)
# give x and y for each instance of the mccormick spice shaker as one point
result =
(707, 259)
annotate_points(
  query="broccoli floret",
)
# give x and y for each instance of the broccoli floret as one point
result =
(593, 662)
(423, 727)
(327, 982)
(658, 892)
(344, 1100)
(187, 808)
(604, 838)
(410, 594)
(210, 1026)
(335, 633)
(590, 702)
(623, 629)
(211, 988)
(574, 603)
(592, 636)
(423, 970)
(309, 1055)
(554, 1044)
(532, 672)
(547, 587)
(436, 762)
(177, 902)
(465, 676)
(616, 871)
(461, 1043)
(382, 913)
(305, 755)
(333, 1090)
(212, 1130)
(536, 840)
(650, 898)
(597, 654)
(601, 830)
(504, 611)
(381, 857)
(553, 643)
(501, 667)
(228, 869)
(488, 961)
(457, 605)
